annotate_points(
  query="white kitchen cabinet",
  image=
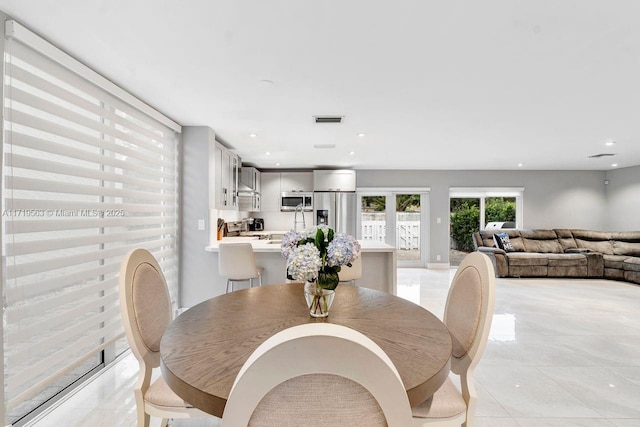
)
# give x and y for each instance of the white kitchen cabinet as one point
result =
(270, 192)
(249, 179)
(226, 178)
(334, 180)
(296, 181)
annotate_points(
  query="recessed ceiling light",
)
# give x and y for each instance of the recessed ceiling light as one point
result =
(268, 153)
(277, 164)
(614, 165)
(351, 153)
(520, 165)
(361, 135)
(610, 143)
(252, 135)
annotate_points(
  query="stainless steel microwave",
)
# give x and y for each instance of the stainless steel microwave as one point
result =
(289, 201)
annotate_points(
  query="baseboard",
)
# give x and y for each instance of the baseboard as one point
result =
(438, 265)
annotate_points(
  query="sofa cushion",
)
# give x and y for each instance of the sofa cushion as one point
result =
(565, 238)
(626, 248)
(502, 241)
(615, 273)
(632, 276)
(626, 236)
(525, 259)
(614, 261)
(567, 260)
(544, 241)
(591, 235)
(631, 264)
(603, 247)
(514, 238)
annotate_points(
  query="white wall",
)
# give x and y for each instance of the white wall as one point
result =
(196, 271)
(552, 199)
(623, 199)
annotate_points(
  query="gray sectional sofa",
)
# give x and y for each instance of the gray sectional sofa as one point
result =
(564, 253)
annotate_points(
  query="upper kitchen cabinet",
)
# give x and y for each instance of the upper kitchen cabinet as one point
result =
(249, 179)
(296, 181)
(226, 178)
(270, 191)
(334, 180)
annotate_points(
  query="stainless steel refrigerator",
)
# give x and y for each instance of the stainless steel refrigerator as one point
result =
(336, 209)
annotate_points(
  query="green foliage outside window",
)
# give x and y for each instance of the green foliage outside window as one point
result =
(465, 220)
(465, 217)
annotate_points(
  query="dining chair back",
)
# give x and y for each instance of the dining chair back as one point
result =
(237, 263)
(145, 307)
(468, 314)
(318, 374)
(351, 274)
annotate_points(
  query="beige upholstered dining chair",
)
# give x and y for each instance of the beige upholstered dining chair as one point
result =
(318, 374)
(351, 274)
(468, 313)
(237, 263)
(146, 311)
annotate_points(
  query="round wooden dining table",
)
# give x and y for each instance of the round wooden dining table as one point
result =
(204, 348)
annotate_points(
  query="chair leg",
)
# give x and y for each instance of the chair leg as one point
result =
(229, 283)
(251, 283)
(164, 423)
(260, 279)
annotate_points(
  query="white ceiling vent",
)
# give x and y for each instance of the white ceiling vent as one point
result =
(324, 146)
(328, 119)
(597, 156)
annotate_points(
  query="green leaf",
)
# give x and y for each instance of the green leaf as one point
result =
(330, 235)
(320, 243)
(328, 279)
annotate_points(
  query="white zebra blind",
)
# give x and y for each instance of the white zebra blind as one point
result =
(88, 175)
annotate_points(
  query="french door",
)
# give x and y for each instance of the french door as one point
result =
(398, 218)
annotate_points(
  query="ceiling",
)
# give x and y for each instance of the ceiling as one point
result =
(441, 84)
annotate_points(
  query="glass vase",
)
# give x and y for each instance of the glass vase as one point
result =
(318, 300)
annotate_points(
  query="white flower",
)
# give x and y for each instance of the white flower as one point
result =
(304, 262)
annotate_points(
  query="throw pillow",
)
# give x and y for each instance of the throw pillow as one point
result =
(503, 242)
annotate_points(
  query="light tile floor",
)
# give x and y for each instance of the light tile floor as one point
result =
(560, 353)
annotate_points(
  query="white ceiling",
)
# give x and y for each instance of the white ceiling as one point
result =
(437, 84)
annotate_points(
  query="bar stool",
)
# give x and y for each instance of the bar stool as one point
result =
(351, 274)
(237, 263)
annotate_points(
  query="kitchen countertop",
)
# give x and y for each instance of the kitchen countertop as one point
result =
(265, 246)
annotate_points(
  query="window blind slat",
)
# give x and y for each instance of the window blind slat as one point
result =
(37, 246)
(40, 124)
(33, 184)
(51, 264)
(63, 169)
(31, 79)
(73, 331)
(42, 204)
(15, 337)
(59, 111)
(23, 226)
(45, 146)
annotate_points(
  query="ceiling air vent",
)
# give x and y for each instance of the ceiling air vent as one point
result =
(597, 156)
(328, 119)
(324, 146)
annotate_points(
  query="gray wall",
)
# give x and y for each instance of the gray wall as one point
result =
(196, 270)
(552, 199)
(623, 199)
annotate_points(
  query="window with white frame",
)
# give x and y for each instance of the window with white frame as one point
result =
(89, 173)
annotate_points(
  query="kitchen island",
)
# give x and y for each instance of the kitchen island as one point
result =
(378, 263)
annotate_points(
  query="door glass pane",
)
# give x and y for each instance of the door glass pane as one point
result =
(464, 221)
(408, 227)
(373, 218)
